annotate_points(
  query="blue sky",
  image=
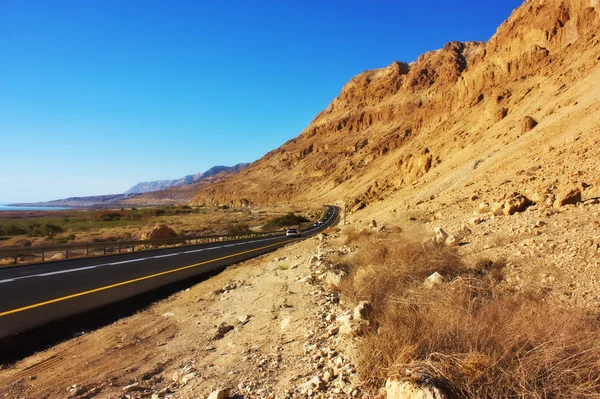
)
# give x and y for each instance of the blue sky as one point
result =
(97, 95)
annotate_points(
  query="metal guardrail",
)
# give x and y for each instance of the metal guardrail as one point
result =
(44, 253)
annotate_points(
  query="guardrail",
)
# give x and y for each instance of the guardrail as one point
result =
(44, 253)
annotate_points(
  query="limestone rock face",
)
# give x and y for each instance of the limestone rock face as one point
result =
(159, 231)
(396, 128)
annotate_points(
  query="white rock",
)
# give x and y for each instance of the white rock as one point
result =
(133, 387)
(219, 394)
(396, 389)
(433, 280)
(440, 235)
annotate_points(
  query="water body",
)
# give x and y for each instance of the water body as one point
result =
(30, 208)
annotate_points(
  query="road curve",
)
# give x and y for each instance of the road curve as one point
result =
(34, 295)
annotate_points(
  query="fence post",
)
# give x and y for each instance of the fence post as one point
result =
(66, 254)
(119, 246)
(42, 256)
(87, 252)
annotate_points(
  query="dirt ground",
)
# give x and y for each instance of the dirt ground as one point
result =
(278, 333)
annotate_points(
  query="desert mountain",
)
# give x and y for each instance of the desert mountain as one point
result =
(470, 114)
(175, 191)
(145, 187)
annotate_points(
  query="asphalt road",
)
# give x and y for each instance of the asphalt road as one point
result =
(33, 295)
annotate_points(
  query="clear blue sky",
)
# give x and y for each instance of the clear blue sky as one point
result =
(96, 95)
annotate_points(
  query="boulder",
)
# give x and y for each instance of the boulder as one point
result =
(397, 389)
(527, 124)
(571, 195)
(433, 280)
(373, 224)
(517, 203)
(158, 232)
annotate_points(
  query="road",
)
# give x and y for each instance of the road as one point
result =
(33, 295)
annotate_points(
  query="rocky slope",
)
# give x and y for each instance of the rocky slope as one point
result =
(145, 187)
(417, 125)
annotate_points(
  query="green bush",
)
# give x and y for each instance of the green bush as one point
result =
(35, 229)
(290, 219)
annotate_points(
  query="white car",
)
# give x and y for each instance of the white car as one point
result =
(293, 232)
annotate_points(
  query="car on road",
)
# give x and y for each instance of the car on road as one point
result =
(293, 232)
(316, 224)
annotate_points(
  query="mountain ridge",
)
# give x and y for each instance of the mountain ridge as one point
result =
(391, 128)
(157, 185)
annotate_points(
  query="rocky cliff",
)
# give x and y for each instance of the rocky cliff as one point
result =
(409, 125)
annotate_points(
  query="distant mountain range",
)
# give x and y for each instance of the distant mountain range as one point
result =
(157, 185)
(160, 192)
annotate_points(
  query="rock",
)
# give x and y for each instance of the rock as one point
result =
(363, 311)
(348, 326)
(396, 389)
(373, 224)
(334, 279)
(433, 280)
(518, 203)
(527, 124)
(132, 387)
(497, 208)
(440, 236)
(484, 207)
(219, 394)
(475, 221)
(314, 384)
(568, 196)
(452, 241)
(244, 319)
(500, 114)
(223, 329)
(358, 207)
(159, 231)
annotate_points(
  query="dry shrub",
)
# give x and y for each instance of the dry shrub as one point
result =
(466, 336)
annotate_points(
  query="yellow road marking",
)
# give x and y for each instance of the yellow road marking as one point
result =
(64, 298)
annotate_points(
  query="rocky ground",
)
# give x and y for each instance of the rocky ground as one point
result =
(270, 327)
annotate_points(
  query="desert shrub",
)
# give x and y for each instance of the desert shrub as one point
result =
(238, 228)
(35, 229)
(466, 336)
(109, 216)
(286, 220)
(13, 230)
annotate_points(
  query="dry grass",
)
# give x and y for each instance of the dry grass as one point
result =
(466, 336)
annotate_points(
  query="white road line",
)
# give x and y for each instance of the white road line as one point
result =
(122, 262)
(141, 259)
(62, 271)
